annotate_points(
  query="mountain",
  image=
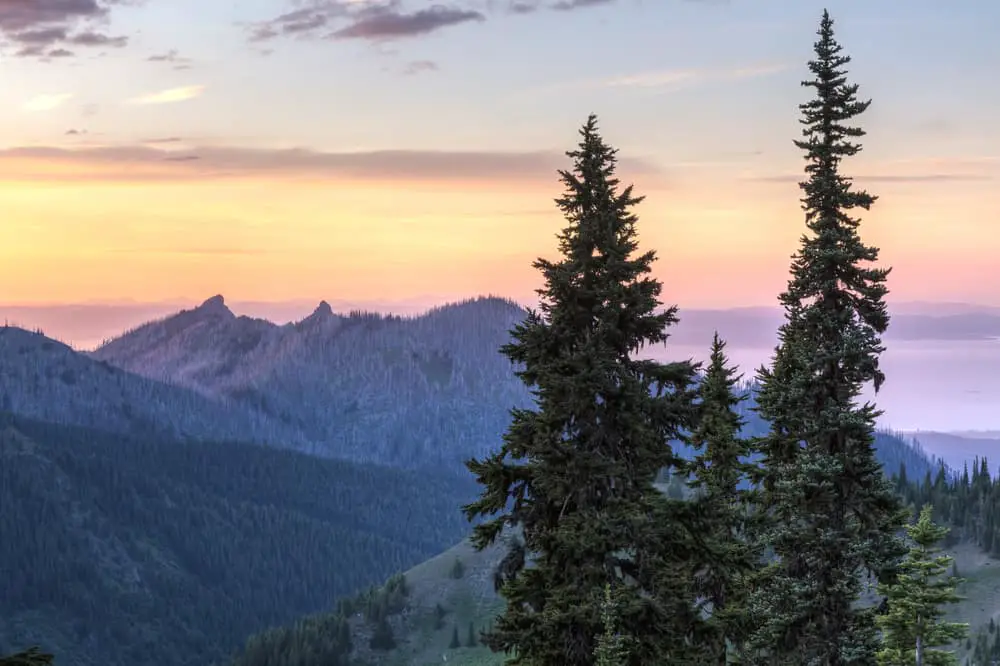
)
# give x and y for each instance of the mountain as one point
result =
(958, 450)
(425, 391)
(44, 379)
(85, 325)
(152, 552)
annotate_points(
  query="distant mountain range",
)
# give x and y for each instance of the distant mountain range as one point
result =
(425, 391)
(85, 325)
(422, 392)
(957, 449)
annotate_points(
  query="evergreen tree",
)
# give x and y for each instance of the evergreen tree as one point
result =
(576, 474)
(439, 615)
(717, 472)
(471, 640)
(457, 569)
(455, 643)
(833, 514)
(382, 638)
(913, 627)
(611, 647)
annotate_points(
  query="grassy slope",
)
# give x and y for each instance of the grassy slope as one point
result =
(472, 598)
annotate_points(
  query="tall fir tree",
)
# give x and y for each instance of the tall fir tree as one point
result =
(575, 475)
(719, 474)
(834, 516)
(914, 626)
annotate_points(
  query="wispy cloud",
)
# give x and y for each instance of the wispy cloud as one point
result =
(375, 20)
(47, 102)
(930, 169)
(383, 20)
(663, 80)
(532, 6)
(170, 95)
(394, 24)
(146, 162)
(418, 66)
(173, 57)
(672, 78)
(884, 178)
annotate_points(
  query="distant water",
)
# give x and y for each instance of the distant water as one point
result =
(930, 385)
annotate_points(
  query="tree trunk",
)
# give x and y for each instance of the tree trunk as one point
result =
(920, 650)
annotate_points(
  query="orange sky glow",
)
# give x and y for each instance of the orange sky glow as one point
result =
(77, 231)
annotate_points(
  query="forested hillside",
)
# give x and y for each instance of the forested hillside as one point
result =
(46, 380)
(427, 391)
(123, 550)
(435, 611)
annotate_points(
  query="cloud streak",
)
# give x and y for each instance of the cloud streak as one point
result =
(149, 163)
(394, 24)
(674, 78)
(47, 102)
(172, 57)
(383, 20)
(169, 96)
(940, 177)
(375, 20)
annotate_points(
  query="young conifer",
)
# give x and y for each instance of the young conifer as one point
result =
(719, 475)
(914, 628)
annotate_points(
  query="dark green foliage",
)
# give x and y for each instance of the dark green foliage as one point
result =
(439, 615)
(576, 473)
(325, 639)
(914, 628)
(160, 553)
(382, 638)
(30, 657)
(457, 569)
(612, 646)
(970, 504)
(314, 641)
(833, 512)
(719, 474)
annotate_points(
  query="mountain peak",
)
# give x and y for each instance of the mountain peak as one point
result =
(321, 316)
(216, 305)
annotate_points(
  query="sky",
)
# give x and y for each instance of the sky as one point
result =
(272, 150)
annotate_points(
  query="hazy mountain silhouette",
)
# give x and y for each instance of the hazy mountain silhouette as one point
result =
(47, 380)
(420, 391)
(424, 391)
(85, 325)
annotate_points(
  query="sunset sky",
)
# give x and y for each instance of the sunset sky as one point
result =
(275, 150)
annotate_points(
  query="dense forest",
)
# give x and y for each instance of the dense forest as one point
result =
(150, 551)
